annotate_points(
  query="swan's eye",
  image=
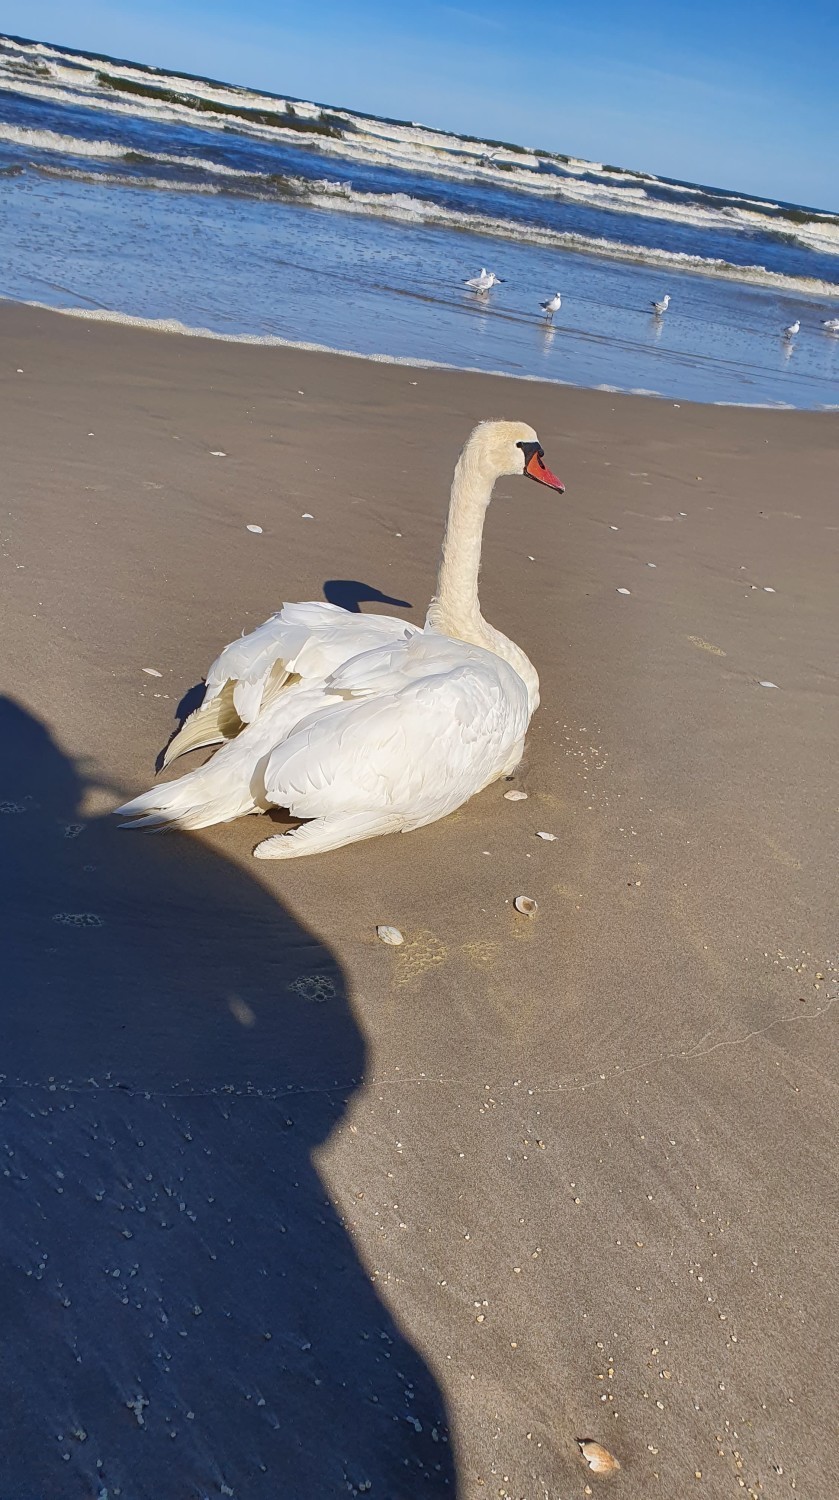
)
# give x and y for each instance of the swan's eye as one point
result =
(531, 451)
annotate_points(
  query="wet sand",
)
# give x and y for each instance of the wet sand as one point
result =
(447, 1208)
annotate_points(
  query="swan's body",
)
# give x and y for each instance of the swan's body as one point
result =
(660, 308)
(552, 306)
(364, 724)
(485, 282)
(789, 333)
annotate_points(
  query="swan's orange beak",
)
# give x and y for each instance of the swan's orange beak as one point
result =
(537, 469)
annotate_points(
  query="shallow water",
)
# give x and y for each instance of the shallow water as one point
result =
(144, 209)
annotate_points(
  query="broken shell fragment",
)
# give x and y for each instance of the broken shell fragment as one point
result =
(526, 905)
(598, 1458)
(390, 935)
(551, 837)
(515, 796)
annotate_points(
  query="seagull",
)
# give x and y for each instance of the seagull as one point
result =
(549, 308)
(831, 324)
(483, 282)
(659, 308)
(789, 333)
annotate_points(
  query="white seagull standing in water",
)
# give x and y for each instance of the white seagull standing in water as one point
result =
(831, 324)
(660, 308)
(551, 307)
(484, 282)
(789, 333)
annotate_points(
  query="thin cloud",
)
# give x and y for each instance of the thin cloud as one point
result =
(475, 18)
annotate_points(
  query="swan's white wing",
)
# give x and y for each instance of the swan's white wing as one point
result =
(390, 667)
(419, 751)
(308, 640)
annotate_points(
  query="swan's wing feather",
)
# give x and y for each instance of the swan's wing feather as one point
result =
(431, 744)
(392, 666)
(309, 639)
(306, 640)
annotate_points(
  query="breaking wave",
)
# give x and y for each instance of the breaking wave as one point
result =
(76, 146)
(404, 208)
(128, 90)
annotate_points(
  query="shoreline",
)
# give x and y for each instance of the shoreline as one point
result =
(274, 341)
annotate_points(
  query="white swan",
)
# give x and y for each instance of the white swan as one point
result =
(364, 724)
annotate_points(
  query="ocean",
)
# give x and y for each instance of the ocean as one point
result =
(134, 193)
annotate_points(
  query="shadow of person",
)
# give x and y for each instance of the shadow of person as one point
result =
(184, 1313)
(349, 594)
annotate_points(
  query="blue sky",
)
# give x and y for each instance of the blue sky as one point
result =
(735, 93)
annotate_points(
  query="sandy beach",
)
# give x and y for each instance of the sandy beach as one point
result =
(288, 1212)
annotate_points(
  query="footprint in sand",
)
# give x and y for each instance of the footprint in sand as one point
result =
(417, 956)
(313, 987)
(482, 954)
(697, 641)
(78, 919)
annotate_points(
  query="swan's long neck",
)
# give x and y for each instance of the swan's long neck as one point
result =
(455, 610)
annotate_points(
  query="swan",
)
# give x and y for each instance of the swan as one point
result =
(365, 724)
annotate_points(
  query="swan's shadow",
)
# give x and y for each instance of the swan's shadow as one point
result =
(347, 593)
(186, 1307)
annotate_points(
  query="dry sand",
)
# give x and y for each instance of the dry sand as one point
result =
(285, 1212)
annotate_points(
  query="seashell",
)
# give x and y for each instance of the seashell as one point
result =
(766, 683)
(623, 591)
(307, 516)
(598, 1458)
(215, 453)
(152, 672)
(390, 935)
(526, 905)
(515, 796)
(257, 529)
(549, 837)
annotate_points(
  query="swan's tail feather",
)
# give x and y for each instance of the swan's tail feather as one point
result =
(322, 834)
(209, 724)
(205, 796)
